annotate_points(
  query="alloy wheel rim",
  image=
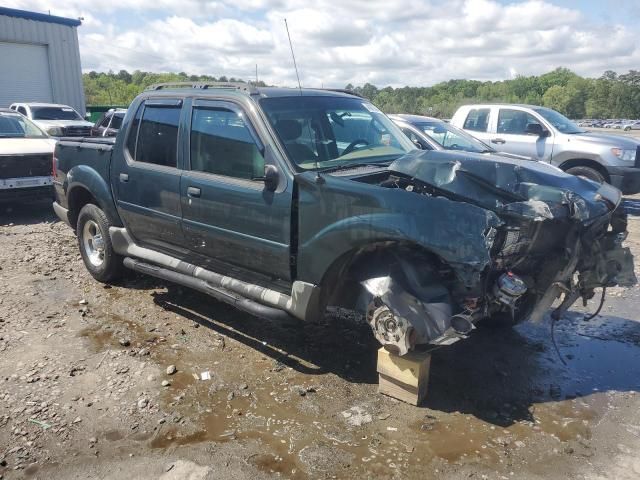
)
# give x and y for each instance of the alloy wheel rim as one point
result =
(93, 243)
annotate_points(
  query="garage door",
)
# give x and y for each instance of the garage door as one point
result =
(24, 75)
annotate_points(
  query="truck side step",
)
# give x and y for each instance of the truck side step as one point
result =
(219, 293)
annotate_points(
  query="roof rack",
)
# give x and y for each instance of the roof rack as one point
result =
(245, 87)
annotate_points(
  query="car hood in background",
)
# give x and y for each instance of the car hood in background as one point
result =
(523, 188)
(615, 141)
(24, 146)
(63, 123)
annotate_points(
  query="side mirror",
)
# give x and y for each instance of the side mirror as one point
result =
(418, 144)
(271, 177)
(536, 129)
(87, 115)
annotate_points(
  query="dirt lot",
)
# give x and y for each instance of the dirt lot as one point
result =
(85, 390)
(615, 131)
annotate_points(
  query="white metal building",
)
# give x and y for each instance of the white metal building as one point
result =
(39, 59)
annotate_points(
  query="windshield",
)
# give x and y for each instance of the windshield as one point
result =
(14, 125)
(559, 121)
(54, 113)
(452, 138)
(325, 131)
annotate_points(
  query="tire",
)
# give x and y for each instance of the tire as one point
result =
(92, 230)
(628, 129)
(588, 173)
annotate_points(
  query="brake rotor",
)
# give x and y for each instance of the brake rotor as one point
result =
(394, 333)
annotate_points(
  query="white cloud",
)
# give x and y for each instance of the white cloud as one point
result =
(405, 42)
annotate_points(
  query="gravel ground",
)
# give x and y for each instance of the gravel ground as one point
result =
(150, 380)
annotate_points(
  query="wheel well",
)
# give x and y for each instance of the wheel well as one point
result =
(78, 198)
(340, 285)
(583, 162)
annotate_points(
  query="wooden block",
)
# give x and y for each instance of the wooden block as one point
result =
(405, 378)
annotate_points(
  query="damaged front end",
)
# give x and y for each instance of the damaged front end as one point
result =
(559, 236)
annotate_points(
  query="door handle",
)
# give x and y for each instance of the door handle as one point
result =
(124, 178)
(193, 192)
(498, 140)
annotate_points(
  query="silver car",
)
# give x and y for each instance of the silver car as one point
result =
(631, 126)
(546, 135)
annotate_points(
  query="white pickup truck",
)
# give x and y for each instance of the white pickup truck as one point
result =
(55, 119)
(546, 135)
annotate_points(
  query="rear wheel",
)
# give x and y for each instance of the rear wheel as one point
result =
(103, 263)
(588, 173)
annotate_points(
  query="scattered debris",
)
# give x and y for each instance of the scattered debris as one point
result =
(171, 369)
(44, 425)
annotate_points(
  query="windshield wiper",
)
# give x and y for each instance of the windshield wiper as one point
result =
(349, 166)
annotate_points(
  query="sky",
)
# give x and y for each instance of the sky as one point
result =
(397, 43)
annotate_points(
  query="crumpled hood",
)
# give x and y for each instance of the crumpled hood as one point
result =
(523, 188)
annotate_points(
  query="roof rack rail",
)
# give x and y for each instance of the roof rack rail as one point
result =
(245, 87)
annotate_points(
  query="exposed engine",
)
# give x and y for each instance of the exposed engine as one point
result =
(542, 251)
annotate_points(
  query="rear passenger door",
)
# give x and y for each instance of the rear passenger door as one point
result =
(146, 180)
(229, 217)
(477, 123)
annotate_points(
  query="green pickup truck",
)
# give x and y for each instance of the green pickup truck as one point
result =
(287, 202)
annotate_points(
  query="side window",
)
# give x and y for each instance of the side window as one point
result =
(477, 120)
(133, 132)
(158, 136)
(221, 143)
(514, 122)
(412, 136)
(116, 121)
(22, 110)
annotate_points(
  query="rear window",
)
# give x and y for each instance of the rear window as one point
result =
(477, 120)
(13, 125)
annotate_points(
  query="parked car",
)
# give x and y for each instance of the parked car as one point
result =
(55, 119)
(283, 202)
(433, 134)
(548, 136)
(25, 158)
(109, 123)
(634, 125)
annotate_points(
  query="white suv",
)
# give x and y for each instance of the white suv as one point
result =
(55, 119)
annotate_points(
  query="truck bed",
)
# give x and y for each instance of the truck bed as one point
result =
(95, 153)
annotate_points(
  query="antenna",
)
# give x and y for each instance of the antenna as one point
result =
(293, 55)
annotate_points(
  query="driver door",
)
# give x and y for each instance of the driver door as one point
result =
(511, 135)
(229, 216)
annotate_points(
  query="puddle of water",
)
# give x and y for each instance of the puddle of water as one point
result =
(275, 464)
(113, 435)
(525, 360)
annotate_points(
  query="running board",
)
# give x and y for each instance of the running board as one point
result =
(303, 303)
(221, 294)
